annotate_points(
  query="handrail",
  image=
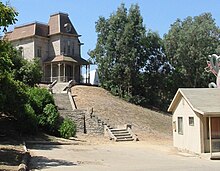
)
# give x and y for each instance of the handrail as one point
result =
(50, 86)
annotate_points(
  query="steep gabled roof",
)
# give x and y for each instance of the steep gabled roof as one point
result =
(205, 101)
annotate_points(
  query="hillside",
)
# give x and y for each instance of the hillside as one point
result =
(145, 123)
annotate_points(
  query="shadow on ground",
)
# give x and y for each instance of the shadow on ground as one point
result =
(42, 146)
(10, 157)
(40, 162)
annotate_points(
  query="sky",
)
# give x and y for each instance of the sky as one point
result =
(158, 15)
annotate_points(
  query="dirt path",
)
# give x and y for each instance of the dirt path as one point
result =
(111, 156)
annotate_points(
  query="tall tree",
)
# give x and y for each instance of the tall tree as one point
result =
(188, 44)
(119, 49)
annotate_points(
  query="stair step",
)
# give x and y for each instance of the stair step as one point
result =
(114, 129)
(119, 133)
(120, 140)
(123, 137)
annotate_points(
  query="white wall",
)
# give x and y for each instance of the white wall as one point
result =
(191, 138)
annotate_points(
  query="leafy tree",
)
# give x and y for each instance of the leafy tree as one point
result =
(7, 16)
(119, 50)
(188, 44)
(30, 72)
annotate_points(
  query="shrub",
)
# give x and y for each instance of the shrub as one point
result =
(39, 98)
(27, 122)
(49, 118)
(67, 129)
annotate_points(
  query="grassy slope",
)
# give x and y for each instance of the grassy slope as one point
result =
(145, 122)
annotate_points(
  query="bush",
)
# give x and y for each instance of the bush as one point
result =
(49, 118)
(67, 129)
(39, 98)
(27, 122)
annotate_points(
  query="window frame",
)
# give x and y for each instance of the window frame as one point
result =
(180, 125)
(191, 121)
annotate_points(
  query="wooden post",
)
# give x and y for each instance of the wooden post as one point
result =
(51, 72)
(210, 136)
(64, 72)
(59, 72)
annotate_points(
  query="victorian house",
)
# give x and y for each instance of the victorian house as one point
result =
(57, 45)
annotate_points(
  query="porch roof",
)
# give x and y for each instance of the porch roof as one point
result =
(205, 101)
(62, 58)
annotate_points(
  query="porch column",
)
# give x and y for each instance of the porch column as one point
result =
(210, 136)
(51, 72)
(44, 71)
(59, 72)
(73, 77)
(64, 72)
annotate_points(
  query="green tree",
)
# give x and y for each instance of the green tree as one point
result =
(30, 72)
(188, 44)
(7, 16)
(119, 51)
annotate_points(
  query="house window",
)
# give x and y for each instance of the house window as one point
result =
(191, 121)
(21, 50)
(73, 49)
(39, 51)
(68, 47)
(180, 125)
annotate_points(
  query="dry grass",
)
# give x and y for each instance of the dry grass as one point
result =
(146, 123)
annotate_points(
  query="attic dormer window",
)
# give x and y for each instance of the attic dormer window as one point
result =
(68, 27)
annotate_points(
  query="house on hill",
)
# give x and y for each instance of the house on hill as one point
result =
(196, 119)
(57, 45)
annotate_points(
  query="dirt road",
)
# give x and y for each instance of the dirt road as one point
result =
(129, 156)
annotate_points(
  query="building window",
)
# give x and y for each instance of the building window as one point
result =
(180, 125)
(73, 49)
(21, 50)
(68, 47)
(191, 121)
(39, 51)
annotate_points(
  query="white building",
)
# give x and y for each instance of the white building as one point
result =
(196, 116)
(93, 77)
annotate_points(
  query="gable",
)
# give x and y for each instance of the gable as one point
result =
(205, 101)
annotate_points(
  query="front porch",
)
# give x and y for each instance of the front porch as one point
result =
(64, 69)
(212, 127)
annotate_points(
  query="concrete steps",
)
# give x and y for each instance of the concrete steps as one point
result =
(60, 87)
(121, 135)
(62, 101)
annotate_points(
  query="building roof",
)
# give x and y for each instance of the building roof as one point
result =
(58, 23)
(63, 58)
(205, 101)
